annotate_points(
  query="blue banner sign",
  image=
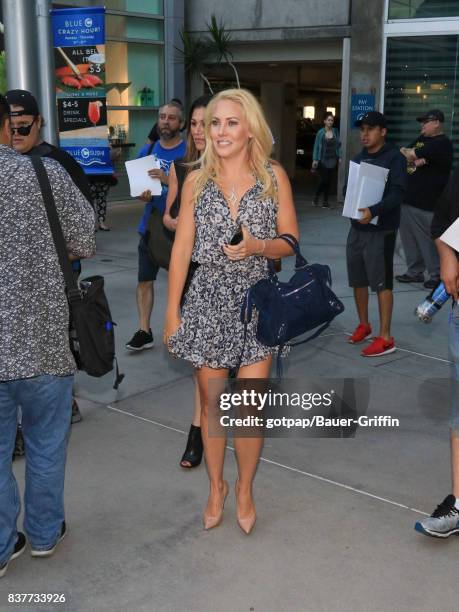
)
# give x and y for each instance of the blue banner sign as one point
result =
(360, 105)
(79, 53)
(78, 27)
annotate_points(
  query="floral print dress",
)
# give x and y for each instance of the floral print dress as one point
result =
(211, 332)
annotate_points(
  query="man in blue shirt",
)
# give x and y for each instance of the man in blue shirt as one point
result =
(168, 148)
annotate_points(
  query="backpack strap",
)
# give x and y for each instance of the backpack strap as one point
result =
(118, 376)
(73, 292)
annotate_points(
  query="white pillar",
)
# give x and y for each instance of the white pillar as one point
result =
(20, 44)
(344, 122)
(174, 69)
(47, 102)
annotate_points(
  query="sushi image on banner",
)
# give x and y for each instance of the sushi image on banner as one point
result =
(80, 70)
(79, 53)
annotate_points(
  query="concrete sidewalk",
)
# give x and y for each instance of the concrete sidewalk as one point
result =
(335, 516)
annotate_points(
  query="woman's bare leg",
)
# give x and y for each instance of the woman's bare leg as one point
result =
(197, 403)
(214, 447)
(248, 450)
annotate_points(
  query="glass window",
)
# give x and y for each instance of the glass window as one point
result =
(133, 27)
(154, 7)
(150, 7)
(421, 74)
(418, 9)
(133, 69)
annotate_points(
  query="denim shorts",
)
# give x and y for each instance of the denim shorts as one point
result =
(148, 271)
(454, 357)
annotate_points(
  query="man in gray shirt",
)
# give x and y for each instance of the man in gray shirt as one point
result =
(36, 365)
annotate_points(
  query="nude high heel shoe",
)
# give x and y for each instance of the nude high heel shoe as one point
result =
(248, 523)
(214, 521)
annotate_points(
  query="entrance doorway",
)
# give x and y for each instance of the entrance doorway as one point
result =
(295, 97)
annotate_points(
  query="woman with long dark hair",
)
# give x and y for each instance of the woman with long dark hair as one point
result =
(196, 143)
(236, 190)
(326, 157)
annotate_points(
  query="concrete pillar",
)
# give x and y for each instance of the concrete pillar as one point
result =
(344, 118)
(47, 100)
(197, 88)
(272, 101)
(288, 157)
(20, 45)
(367, 19)
(174, 19)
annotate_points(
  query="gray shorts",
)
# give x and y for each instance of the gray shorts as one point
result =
(370, 259)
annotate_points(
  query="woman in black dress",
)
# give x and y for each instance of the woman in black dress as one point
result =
(196, 143)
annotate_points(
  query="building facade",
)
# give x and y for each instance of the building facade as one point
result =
(304, 58)
(421, 67)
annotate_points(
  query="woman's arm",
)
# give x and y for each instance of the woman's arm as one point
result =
(338, 144)
(172, 191)
(181, 257)
(286, 224)
(315, 151)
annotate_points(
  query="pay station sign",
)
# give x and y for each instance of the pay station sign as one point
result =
(360, 105)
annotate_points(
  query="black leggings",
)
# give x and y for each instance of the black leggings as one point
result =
(326, 177)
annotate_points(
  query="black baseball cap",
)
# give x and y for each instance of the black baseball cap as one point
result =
(432, 115)
(21, 97)
(372, 118)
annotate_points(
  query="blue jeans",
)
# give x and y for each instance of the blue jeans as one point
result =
(46, 403)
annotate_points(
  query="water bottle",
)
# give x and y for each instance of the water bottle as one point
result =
(432, 304)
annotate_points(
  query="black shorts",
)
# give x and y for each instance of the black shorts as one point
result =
(370, 259)
(148, 271)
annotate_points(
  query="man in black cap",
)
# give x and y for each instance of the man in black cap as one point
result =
(370, 246)
(26, 123)
(429, 158)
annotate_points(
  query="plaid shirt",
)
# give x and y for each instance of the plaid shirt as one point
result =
(34, 314)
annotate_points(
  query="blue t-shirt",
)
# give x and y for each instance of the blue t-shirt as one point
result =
(165, 157)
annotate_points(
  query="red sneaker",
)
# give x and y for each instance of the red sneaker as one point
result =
(379, 347)
(361, 332)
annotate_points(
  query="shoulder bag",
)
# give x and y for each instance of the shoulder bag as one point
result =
(91, 334)
(288, 310)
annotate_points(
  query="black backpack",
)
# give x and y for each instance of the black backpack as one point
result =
(91, 335)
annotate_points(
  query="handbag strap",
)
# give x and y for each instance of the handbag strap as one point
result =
(300, 262)
(73, 291)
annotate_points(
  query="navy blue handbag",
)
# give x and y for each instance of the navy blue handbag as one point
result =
(288, 310)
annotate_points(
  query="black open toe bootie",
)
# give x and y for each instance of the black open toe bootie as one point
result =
(194, 449)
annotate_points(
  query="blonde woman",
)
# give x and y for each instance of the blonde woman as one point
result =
(236, 187)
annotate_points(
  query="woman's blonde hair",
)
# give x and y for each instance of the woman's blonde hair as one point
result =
(259, 146)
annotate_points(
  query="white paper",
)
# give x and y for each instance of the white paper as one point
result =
(350, 208)
(367, 188)
(451, 236)
(139, 181)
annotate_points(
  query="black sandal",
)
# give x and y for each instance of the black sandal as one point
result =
(194, 448)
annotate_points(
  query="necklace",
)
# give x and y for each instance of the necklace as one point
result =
(233, 196)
